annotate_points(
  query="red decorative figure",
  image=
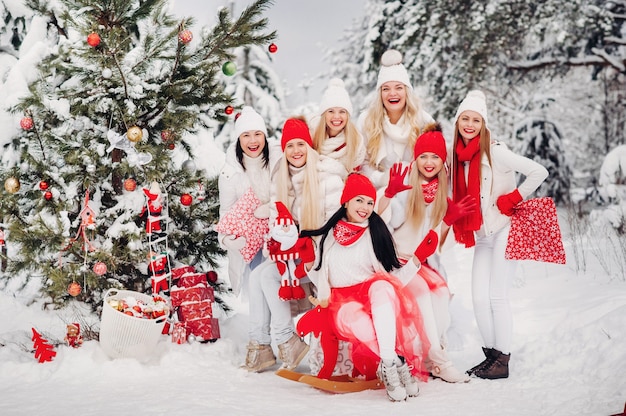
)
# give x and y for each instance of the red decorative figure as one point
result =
(285, 247)
(157, 267)
(43, 350)
(73, 338)
(154, 208)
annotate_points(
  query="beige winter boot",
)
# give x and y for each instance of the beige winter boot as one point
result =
(292, 352)
(449, 373)
(259, 357)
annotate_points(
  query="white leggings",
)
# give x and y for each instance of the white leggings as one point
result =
(491, 278)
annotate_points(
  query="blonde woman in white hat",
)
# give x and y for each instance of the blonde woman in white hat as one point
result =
(334, 134)
(248, 162)
(486, 170)
(392, 122)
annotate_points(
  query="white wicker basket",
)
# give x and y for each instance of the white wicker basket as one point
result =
(124, 336)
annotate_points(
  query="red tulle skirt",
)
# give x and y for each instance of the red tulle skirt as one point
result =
(351, 313)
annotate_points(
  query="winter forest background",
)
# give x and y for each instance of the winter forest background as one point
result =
(554, 73)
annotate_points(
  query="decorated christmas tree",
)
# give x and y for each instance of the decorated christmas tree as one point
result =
(100, 182)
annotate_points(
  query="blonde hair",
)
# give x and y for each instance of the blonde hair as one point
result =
(415, 207)
(373, 126)
(485, 145)
(311, 214)
(351, 134)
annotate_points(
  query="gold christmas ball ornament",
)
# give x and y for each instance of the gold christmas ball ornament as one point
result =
(134, 134)
(74, 289)
(12, 185)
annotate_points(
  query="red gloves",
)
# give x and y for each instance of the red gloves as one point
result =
(458, 210)
(507, 202)
(427, 246)
(396, 180)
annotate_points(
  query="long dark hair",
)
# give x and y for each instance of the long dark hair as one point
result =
(382, 241)
(265, 154)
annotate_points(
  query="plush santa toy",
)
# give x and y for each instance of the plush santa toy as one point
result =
(73, 338)
(157, 266)
(290, 252)
(153, 209)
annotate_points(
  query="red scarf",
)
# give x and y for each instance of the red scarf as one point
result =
(346, 233)
(464, 228)
(429, 189)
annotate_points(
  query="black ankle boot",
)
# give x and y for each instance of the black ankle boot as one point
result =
(498, 368)
(489, 352)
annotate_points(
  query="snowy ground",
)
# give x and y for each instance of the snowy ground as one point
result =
(569, 358)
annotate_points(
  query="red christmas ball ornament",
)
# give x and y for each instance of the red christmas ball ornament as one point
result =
(229, 110)
(167, 135)
(211, 276)
(99, 268)
(43, 185)
(74, 289)
(171, 146)
(26, 123)
(47, 195)
(93, 39)
(185, 36)
(186, 199)
(130, 184)
(272, 48)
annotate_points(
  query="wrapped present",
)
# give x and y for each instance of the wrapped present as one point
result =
(179, 333)
(180, 271)
(192, 279)
(207, 329)
(178, 296)
(195, 310)
(240, 221)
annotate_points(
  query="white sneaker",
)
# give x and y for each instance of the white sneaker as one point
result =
(389, 376)
(408, 381)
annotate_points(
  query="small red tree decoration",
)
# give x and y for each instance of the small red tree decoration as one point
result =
(43, 350)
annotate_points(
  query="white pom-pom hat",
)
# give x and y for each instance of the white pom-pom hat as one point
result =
(392, 69)
(335, 95)
(249, 120)
(474, 101)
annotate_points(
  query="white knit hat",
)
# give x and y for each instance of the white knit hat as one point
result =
(335, 96)
(474, 101)
(392, 69)
(249, 120)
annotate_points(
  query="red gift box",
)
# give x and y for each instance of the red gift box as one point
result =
(205, 328)
(192, 279)
(179, 271)
(178, 296)
(179, 333)
(196, 310)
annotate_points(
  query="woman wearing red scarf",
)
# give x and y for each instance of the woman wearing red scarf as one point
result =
(410, 216)
(363, 285)
(486, 170)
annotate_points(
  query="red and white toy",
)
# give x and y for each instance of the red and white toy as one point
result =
(285, 247)
(154, 208)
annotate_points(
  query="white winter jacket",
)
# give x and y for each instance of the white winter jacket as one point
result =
(233, 182)
(499, 179)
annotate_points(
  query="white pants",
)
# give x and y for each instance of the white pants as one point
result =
(491, 278)
(267, 311)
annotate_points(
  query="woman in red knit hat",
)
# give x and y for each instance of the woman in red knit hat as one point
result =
(361, 281)
(309, 187)
(424, 208)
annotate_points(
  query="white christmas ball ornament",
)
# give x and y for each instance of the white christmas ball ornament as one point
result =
(189, 165)
(91, 168)
(107, 73)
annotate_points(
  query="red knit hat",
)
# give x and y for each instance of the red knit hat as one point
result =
(295, 128)
(284, 216)
(357, 184)
(431, 140)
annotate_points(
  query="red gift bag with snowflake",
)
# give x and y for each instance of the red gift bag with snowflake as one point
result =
(240, 221)
(535, 233)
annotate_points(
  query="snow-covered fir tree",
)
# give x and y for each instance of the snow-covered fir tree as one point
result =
(117, 87)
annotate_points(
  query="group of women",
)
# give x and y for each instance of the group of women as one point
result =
(378, 197)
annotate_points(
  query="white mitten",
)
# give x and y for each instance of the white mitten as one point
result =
(262, 211)
(232, 242)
